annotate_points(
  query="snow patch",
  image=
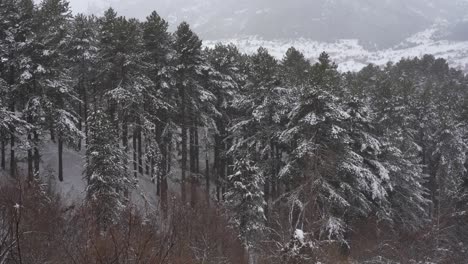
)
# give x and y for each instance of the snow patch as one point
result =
(299, 235)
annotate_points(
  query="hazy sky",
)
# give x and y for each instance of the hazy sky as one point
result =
(88, 6)
(124, 7)
(85, 6)
(79, 6)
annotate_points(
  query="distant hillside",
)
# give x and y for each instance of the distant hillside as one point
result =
(352, 56)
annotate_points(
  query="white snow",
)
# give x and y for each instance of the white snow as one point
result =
(26, 75)
(299, 235)
(352, 56)
(334, 227)
(40, 69)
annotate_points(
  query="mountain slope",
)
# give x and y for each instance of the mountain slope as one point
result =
(352, 56)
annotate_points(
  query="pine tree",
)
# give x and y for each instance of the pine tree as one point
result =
(245, 200)
(52, 92)
(194, 100)
(106, 60)
(130, 86)
(162, 100)
(10, 124)
(295, 70)
(324, 74)
(16, 31)
(225, 81)
(82, 57)
(262, 107)
(345, 168)
(105, 169)
(121, 83)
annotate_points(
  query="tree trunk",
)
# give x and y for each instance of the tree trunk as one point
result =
(12, 136)
(37, 157)
(193, 187)
(184, 162)
(135, 153)
(52, 132)
(12, 156)
(161, 163)
(3, 154)
(227, 165)
(80, 123)
(125, 135)
(207, 177)
(148, 157)
(148, 163)
(278, 169)
(268, 182)
(183, 123)
(216, 170)
(273, 167)
(156, 178)
(125, 149)
(220, 164)
(197, 151)
(85, 113)
(30, 161)
(112, 114)
(266, 195)
(167, 169)
(192, 150)
(60, 154)
(12, 149)
(140, 150)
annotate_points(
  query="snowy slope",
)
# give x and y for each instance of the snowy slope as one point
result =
(352, 56)
(73, 188)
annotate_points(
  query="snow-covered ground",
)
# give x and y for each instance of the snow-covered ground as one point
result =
(352, 56)
(73, 188)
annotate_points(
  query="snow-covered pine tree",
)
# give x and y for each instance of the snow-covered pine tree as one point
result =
(312, 162)
(108, 63)
(162, 100)
(8, 18)
(105, 169)
(24, 92)
(121, 83)
(245, 200)
(195, 102)
(225, 80)
(4, 134)
(15, 34)
(106, 76)
(262, 106)
(131, 86)
(411, 100)
(336, 158)
(406, 203)
(10, 124)
(52, 86)
(81, 52)
(324, 73)
(295, 69)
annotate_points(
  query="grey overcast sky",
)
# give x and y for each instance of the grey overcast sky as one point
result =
(126, 7)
